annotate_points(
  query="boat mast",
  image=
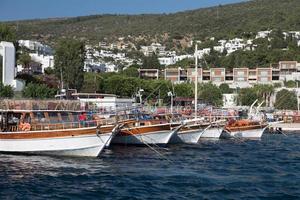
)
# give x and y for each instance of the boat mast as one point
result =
(196, 80)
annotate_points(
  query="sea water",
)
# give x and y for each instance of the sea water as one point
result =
(223, 169)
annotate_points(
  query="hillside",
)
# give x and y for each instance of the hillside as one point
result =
(220, 21)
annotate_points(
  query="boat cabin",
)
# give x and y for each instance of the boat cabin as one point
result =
(24, 120)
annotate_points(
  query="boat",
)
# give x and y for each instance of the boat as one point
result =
(189, 134)
(146, 132)
(51, 132)
(253, 127)
(213, 132)
(244, 129)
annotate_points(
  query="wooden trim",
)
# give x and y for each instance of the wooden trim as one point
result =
(144, 130)
(245, 128)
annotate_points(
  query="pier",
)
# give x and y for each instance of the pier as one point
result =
(285, 127)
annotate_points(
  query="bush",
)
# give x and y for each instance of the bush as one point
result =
(286, 100)
(40, 91)
(6, 91)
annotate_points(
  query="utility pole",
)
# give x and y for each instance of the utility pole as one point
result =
(297, 96)
(196, 80)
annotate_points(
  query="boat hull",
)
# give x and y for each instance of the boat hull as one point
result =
(88, 144)
(157, 137)
(188, 136)
(251, 134)
(211, 133)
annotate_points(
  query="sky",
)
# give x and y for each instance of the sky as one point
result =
(36, 9)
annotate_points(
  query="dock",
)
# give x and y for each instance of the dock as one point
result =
(286, 127)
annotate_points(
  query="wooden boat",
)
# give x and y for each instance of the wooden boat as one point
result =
(51, 133)
(190, 132)
(146, 132)
(244, 129)
(214, 131)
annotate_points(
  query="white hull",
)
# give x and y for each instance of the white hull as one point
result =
(84, 145)
(189, 136)
(212, 133)
(158, 137)
(254, 133)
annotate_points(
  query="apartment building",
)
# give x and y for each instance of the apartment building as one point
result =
(237, 77)
(176, 75)
(148, 73)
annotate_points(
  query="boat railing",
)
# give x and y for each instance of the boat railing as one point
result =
(67, 125)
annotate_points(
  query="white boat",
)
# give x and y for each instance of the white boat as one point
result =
(145, 133)
(250, 134)
(189, 134)
(212, 133)
(45, 139)
(244, 129)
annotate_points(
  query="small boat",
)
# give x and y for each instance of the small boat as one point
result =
(51, 133)
(244, 129)
(214, 131)
(146, 132)
(189, 134)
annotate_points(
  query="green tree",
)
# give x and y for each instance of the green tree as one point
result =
(264, 92)
(131, 71)
(69, 61)
(24, 60)
(6, 91)
(246, 96)
(184, 90)
(286, 100)
(40, 91)
(6, 33)
(120, 85)
(225, 89)
(210, 94)
(151, 62)
(290, 84)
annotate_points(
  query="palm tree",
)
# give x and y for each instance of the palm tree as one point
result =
(24, 60)
(264, 91)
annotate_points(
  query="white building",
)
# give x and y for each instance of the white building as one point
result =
(153, 48)
(46, 60)
(36, 46)
(7, 51)
(262, 34)
(104, 102)
(167, 61)
(202, 52)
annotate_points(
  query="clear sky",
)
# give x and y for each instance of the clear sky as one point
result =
(32, 9)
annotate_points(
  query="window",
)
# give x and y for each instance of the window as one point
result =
(264, 73)
(241, 73)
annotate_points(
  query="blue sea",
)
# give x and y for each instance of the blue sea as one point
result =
(224, 169)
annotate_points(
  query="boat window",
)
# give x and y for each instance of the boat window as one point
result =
(27, 118)
(75, 117)
(40, 117)
(53, 117)
(14, 118)
(65, 117)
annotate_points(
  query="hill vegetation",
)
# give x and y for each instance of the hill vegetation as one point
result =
(223, 21)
